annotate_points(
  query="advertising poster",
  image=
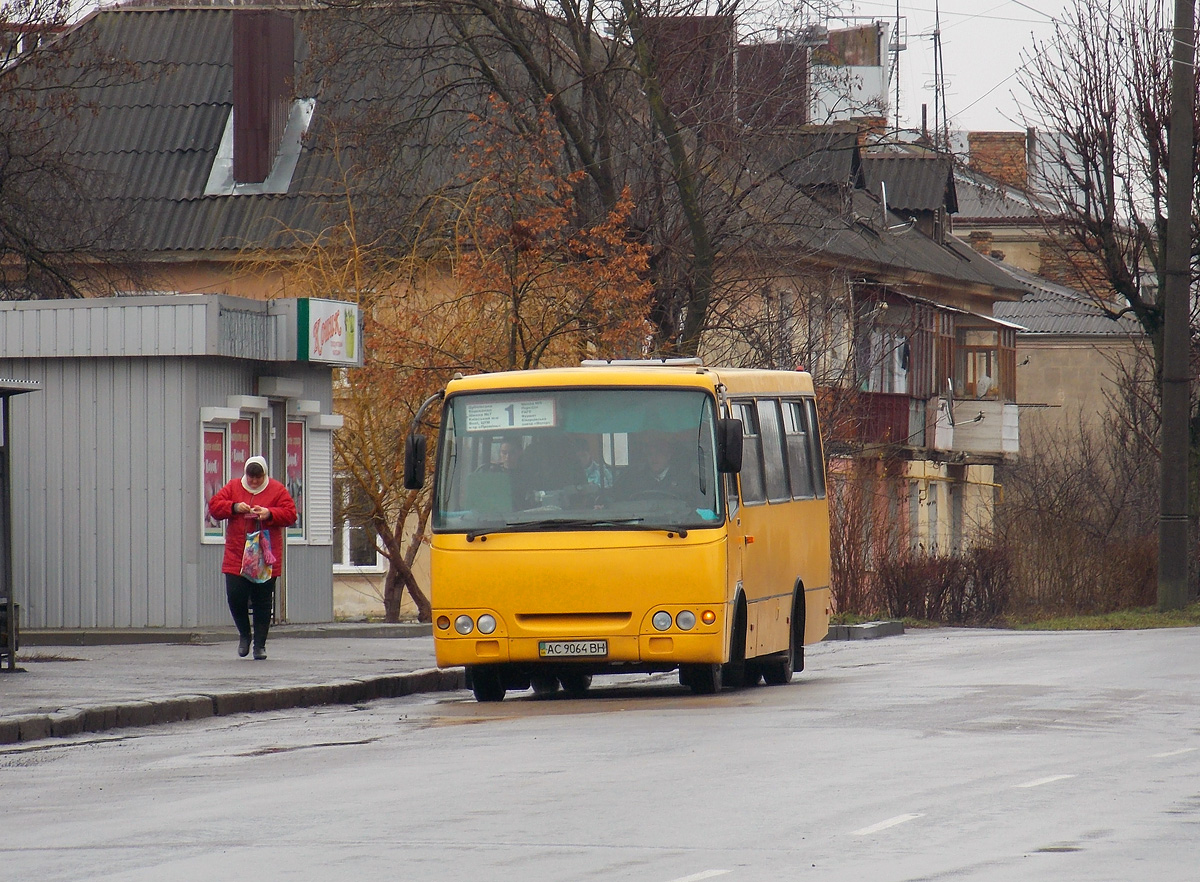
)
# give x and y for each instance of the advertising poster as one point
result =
(295, 472)
(239, 446)
(214, 477)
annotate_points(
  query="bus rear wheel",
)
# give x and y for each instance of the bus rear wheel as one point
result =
(701, 679)
(543, 684)
(487, 683)
(779, 670)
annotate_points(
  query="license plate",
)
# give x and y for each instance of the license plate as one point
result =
(572, 648)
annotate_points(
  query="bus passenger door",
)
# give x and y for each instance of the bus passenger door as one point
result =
(735, 540)
(768, 574)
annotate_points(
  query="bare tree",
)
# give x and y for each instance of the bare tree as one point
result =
(1100, 88)
(643, 95)
(49, 228)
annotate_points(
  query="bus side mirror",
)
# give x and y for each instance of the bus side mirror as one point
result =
(729, 445)
(414, 461)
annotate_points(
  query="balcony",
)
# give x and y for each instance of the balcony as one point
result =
(984, 429)
(874, 418)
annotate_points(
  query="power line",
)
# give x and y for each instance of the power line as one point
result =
(967, 16)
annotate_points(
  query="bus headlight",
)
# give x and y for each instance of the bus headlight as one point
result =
(443, 623)
(486, 624)
(463, 624)
(708, 617)
(662, 620)
(686, 620)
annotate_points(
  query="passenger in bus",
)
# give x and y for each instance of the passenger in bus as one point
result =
(507, 456)
(548, 467)
(595, 473)
(658, 473)
(490, 489)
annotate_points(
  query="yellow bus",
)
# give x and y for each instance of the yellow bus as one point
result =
(626, 517)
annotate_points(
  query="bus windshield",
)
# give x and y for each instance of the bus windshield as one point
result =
(578, 459)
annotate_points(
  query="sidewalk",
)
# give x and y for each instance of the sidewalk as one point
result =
(96, 680)
(68, 688)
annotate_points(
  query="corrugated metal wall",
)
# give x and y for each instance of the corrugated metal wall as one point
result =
(103, 455)
(107, 494)
(40, 330)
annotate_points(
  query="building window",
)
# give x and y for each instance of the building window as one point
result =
(986, 363)
(354, 548)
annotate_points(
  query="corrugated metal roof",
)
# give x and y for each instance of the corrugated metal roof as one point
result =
(155, 133)
(1050, 309)
(914, 182)
(153, 129)
(982, 198)
(811, 156)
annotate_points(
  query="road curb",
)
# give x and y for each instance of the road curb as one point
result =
(865, 631)
(198, 636)
(69, 721)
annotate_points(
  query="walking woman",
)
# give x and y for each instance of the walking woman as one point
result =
(251, 503)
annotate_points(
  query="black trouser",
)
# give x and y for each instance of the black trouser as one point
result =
(245, 596)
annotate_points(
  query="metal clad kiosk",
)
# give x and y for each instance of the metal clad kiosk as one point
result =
(10, 624)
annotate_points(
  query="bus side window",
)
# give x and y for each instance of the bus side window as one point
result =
(798, 453)
(751, 476)
(772, 451)
(814, 445)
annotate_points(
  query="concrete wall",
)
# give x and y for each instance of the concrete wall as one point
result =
(1062, 382)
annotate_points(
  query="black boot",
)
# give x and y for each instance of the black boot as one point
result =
(260, 652)
(244, 645)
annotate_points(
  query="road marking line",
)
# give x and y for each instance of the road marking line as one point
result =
(706, 874)
(1040, 781)
(883, 825)
(1173, 753)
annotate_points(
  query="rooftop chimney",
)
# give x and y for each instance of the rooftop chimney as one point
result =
(1001, 155)
(772, 84)
(694, 56)
(263, 72)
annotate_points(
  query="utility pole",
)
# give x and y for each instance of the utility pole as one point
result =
(1175, 297)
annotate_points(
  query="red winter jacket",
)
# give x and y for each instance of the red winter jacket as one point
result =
(274, 497)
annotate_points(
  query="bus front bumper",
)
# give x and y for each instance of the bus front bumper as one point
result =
(654, 650)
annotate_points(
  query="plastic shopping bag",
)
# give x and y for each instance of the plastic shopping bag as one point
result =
(257, 557)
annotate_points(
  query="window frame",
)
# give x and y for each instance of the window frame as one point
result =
(342, 487)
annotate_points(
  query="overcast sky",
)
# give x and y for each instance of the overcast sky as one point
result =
(982, 42)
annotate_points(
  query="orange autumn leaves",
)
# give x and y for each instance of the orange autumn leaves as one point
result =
(547, 288)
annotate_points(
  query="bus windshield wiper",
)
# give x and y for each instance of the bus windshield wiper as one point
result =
(569, 524)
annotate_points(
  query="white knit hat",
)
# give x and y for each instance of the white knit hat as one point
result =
(261, 487)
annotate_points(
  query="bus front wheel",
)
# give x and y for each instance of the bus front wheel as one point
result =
(487, 683)
(574, 683)
(701, 679)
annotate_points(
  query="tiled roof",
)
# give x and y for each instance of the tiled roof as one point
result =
(1050, 309)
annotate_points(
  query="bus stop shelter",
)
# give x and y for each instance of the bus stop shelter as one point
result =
(8, 608)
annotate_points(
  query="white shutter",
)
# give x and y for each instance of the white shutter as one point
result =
(320, 488)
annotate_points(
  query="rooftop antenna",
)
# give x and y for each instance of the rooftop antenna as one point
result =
(941, 124)
(896, 65)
